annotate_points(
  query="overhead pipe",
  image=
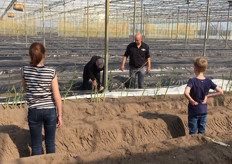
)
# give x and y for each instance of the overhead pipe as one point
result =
(141, 23)
(206, 28)
(220, 30)
(50, 24)
(228, 22)
(87, 24)
(25, 20)
(172, 27)
(64, 21)
(17, 19)
(116, 35)
(187, 23)
(107, 4)
(177, 25)
(168, 23)
(197, 26)
(43, 14)
(134, 23)
(208, 33)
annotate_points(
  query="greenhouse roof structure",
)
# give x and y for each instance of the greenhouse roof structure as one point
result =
(151, 10)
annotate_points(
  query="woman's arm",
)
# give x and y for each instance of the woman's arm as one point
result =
(23, 82)
(57, 98)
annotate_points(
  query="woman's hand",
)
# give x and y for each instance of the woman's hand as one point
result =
(59, 121)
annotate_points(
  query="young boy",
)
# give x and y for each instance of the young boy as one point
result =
(197, 92)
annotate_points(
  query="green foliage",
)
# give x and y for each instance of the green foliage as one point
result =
(6, 105)
(123, 88)
(15, 97)
(146, 86)
(159, 84)
(227, 85)
(20, 97)
(95, 97)
(129, 87)
(171, 79)
(71, 84)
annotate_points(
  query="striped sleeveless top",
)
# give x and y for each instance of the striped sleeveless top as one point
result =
(39, 86)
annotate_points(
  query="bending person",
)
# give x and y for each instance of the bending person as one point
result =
(92, 71)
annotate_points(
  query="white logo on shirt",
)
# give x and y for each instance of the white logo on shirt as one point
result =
(143, 49)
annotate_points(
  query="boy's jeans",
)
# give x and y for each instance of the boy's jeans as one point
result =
(37, 117)
(197, 122)
(141, 74)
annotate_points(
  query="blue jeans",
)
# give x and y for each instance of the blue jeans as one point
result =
(197, 122)
(141, 74)
(47, 117)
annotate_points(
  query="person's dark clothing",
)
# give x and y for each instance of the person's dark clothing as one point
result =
(91, 71)
(199, 89)
(137, 56)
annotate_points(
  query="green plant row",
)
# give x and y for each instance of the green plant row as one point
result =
(95, 95)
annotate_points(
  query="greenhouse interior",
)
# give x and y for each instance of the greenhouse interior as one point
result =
(162, 123)
(75, 30)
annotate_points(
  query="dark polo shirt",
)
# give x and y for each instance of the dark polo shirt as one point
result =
(137, 56)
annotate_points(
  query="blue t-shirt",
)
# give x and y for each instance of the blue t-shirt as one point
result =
(199, 89)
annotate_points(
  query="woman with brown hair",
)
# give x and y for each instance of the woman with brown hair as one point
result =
(43, 98)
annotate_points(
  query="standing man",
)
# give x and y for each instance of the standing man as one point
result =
(139, 58)
(92, 71)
